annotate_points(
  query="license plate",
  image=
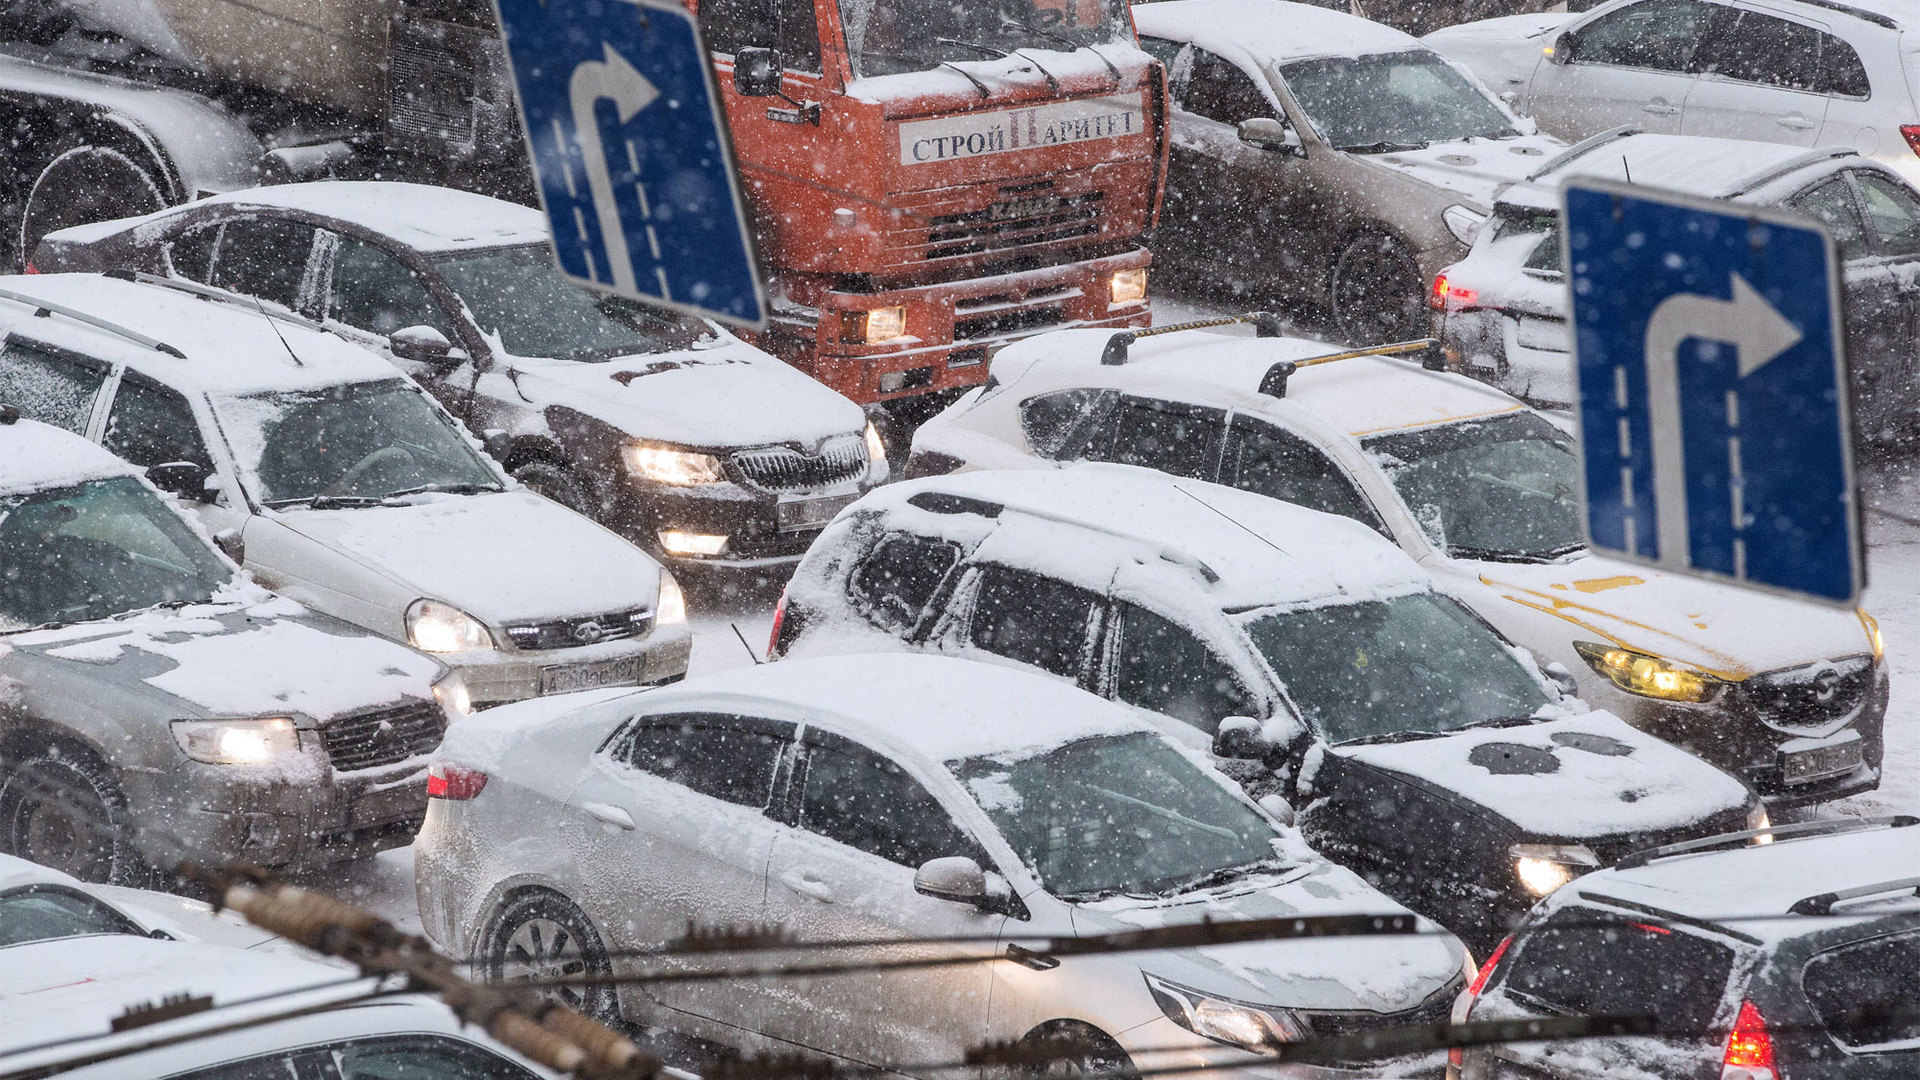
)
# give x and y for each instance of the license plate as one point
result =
(796, 514)
(1800, 766)
(564, 680)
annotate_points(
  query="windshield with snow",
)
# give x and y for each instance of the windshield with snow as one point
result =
(1505, 488)
(1392, 101)
(519, 296)
(1394, 670)
(1123, 814)
(888, 37)
(350, 445)
(98, 549)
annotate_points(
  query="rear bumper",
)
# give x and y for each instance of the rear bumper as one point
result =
(1490, 345)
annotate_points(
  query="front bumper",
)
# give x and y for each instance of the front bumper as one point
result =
(500, 676)
(1162, 1045)
(750, 520)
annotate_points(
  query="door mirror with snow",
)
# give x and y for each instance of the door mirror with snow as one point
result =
(960, 880)
(1561, 51)
(1266, 133)
(1240, 739)
(185, 479)
(1561, 678)
(421, 345)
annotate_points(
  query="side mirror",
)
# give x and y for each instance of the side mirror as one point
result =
(232, 545)
(497, 443)
(186, 479)
(1266, 133)
(960, 880)
(756, 72)
(1561, 50)
(1239, 739)
(421, 345)
(1561, 678)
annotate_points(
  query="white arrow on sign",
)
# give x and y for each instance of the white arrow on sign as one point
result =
(1758, 332)
(619, 82)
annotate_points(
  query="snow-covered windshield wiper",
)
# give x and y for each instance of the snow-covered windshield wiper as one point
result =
(1386, 737)
(1501, 555)
(444, 489)
(1222, 876)
(1498, 722)
(326, 502)
(1382, 147)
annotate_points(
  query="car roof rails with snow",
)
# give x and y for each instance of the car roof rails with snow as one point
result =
(209, 292)
(941, 502)
(1824, 903)
(43, 309)
(1774, 833)
(1266, 323)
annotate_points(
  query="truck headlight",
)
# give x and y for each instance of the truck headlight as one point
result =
(1645, 675)
(237, 742)
(672, 606)
(1236, 1023)
(1543, 868)
(442, 628)
(874, 326)
(669, 465)
(1127, 286)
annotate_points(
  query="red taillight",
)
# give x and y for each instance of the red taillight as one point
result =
(1910, 131)
(779, 616)
(1446, 296)
(1749, 1053)
(456, 783)
(1463, 1009)
(32, 269)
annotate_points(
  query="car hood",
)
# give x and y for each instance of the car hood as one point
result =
(1477, 170)
(1373, 974)
(502, 557)
(1586, 777)
(250, 654)
(1721, 629)
(728, 395)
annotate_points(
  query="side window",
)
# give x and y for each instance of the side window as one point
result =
(894, 584)
(1161, 49)
(1180, 439)
(53, 388)
(1032, 619)
(375, 292)
(1756, 48)
(268, 1067)
(1833, 203)
(1218, 90)
(791, 26)
(420, 1057)
(1894, 213)
(1841, 71)
(151, 425)
(263, 258)
(1873, 975)
(724, 757)
(1269, 461)
(191, 253)
(866, 802)
(1058, 425)
(1657, 34)
(1162, 666)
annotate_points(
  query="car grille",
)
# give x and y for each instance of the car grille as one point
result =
(782, 468)
(1021, 215)
(583, 630)
(1813, 696)
(1612, 849)
(1326, 1025)
(430, 85)
(382, 737)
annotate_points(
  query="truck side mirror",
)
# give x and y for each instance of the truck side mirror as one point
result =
(421, 345)
(1266, 133)
(756, 72)
(1240, 739)
(186, 479)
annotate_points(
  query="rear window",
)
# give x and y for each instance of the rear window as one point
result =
(1582, 961)
(1846, 985)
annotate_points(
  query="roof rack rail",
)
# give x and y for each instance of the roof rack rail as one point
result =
(1799, 830)
(1274, 383)
(1798, 161)
(1265, 322)
(209, 292)
(1824, 903)
(45, 308)
(1581, 149)
(941, 502)
(1873, 17)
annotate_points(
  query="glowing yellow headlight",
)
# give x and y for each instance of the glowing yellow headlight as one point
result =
(1128, 286)
(1873, 633)
(1647, 676)
(668, 465)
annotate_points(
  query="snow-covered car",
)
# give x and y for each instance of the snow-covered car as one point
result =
(671, 431)
(1319, 156)
(1761, 962)
(1307, 654)
(1801, 72)
(341, 483)
(891, 796)
(1482, 492)
(157, 705)
(1502, 311)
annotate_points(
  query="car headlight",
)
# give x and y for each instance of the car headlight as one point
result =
(1758, 819)
(1128, 286)
(1873, 634)
(671, 608)
(1463, 222)
(876, 449)
(442, 628)
(454, 697)
(1543, 868)
(668, 465)
(1251, 1027)
(1647, 676)
(237, 742)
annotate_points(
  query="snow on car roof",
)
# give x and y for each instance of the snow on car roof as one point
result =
(15, 872)
(230, 348)
(1692, 164)
(35, 456)
(1263, 30)
(421, 216)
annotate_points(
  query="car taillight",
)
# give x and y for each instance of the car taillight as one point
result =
(1463, 1009)
(779, 616)
(32, 269)
(1447, 296)
(1910, 131)
(456, 783)
(1749, 1053)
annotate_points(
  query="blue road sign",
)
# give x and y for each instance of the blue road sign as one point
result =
(1713, 407)
(630, 148)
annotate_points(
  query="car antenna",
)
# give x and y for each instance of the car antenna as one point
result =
(1626, 168)
(743, 644)
(297, 362)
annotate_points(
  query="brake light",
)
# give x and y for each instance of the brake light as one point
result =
(32, 269)
(1446, 296)
(1910, 131)
(779, 616)
(1464, 1007)
(1749, 1053)
(455, 783)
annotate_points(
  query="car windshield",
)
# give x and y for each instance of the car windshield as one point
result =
(888, 37)
(518, 295)
(47, 912)
(1391, 670)
(1503, 488)
(95, 550)
(349, 445)
(1120, 814)
(1392, 101)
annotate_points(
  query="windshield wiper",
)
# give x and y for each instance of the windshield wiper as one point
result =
(1498, 555)
(1072, 45)
(1382, 147)
(326, 502)
(445, 489)
(1386, 737)
(1498, 722)
(1212, 878)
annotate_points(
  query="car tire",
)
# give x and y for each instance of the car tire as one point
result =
(541, 933)
(557, 482)
(60, 807)
(1376, 294)
(85, 181)
(1084, 1050)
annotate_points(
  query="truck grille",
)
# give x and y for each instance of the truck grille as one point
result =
(430, 85)
(1018, 216)
(382, 737)
(1812, 696)
(782, 468)
(583, 630)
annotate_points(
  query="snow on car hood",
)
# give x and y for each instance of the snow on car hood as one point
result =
(729, 395)
(1507, 29)
(501, 557)
(1726, 631)
(1475, 169)
(1590, 776)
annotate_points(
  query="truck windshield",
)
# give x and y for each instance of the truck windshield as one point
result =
(519, 296)
(888, 37)
(95, 550)
(1392, 101)
(1503, 489)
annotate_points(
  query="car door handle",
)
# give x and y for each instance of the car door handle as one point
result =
(609, 815)
(809, 887)
(1660, 108)
(1797, 123)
